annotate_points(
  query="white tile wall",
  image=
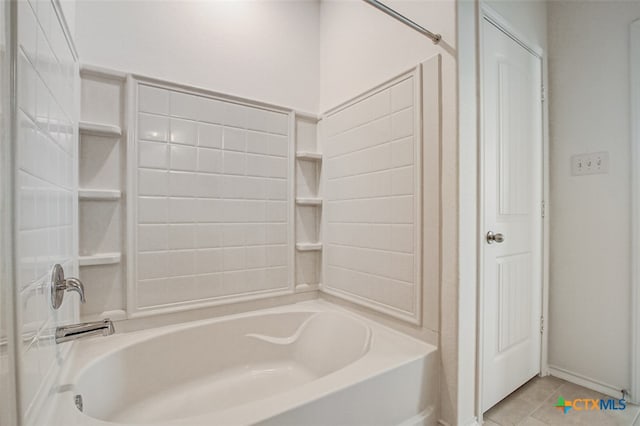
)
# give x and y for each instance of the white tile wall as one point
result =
(46, 184)
(212, 196)
(371, 233)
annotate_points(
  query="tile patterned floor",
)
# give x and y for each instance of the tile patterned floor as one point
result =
(533, 405)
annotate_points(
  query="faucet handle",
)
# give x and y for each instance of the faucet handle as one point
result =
(60, 284)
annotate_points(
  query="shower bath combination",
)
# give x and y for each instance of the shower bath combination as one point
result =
(213, 251)
(318, 212)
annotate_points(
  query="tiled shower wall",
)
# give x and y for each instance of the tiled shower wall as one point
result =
(213, 197)
(46, 191)
(372, 200)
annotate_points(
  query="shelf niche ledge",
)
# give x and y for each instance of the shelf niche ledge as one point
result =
(309, 156)
(99, 194)
(308, 201)
(99, 259)
(99, 129)
(308, 246)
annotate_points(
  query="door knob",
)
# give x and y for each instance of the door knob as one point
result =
(497, 238)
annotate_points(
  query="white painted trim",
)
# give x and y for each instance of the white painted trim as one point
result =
(9, 380)
(291, 202)
(586, 382)
(431, 184)
(131, 124)
(418, 208)
(471, 422)
(546, 223)
(57, 7)
(635, 209)
(468, 16)
(490, 15)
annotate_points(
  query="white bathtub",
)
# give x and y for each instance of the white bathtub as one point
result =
(304, 364)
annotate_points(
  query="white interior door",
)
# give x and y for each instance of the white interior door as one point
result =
(511, 204)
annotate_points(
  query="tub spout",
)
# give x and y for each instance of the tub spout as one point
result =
(76, 331)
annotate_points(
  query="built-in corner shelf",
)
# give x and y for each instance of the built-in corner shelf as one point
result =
(99, 129)
(99, 194)
(100, 259)
(304, 287)
(308, 201)
(309, 156)
(309, 246)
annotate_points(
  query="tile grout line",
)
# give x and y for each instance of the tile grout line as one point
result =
(530, 414)
(540, 406)
(547, 399)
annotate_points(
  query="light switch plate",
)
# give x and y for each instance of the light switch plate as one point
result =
(590, 164)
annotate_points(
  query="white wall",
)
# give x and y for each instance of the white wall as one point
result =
(262, 50)
(362, 47)
(590, 222)
(528, 18)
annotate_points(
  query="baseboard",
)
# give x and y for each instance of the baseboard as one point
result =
(424, 418)
(587, 382)
(472, 422)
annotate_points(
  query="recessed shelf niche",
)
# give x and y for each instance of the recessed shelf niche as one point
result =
(308, 168)
(101, 181)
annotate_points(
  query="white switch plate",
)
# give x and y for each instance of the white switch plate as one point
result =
(590, 164)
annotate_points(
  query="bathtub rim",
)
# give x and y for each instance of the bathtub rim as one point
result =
(88, 352)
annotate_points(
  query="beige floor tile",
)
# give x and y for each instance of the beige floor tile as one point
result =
(538, 389)
(511, 411)
(552, 415)
(530, 421)
(534, 405)
(487, 422)
(625, 417)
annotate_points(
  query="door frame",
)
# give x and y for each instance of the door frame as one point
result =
(490, 15)
(8, 295)
(634, 65)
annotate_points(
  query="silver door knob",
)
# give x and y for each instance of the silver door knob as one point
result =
(494, 238)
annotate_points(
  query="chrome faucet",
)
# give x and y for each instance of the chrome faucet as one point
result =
(67, 333)
(60, 284)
